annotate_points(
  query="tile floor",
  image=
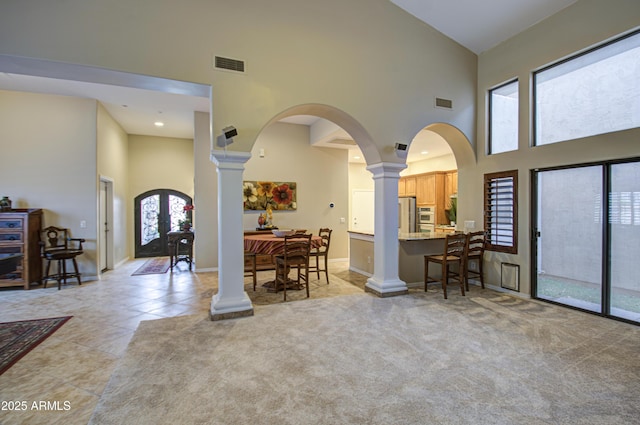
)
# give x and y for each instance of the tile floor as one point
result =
(75, 363)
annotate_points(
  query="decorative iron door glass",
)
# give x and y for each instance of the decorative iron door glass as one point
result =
(157, 213)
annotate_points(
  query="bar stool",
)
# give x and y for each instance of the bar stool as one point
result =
(455, 247)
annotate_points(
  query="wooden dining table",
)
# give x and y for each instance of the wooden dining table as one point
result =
(270, 244)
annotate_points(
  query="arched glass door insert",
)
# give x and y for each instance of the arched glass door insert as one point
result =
(158, 212)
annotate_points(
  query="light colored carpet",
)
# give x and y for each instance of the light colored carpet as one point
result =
(485, 358)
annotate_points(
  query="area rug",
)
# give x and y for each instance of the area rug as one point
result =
(18, 338)
(158, 265)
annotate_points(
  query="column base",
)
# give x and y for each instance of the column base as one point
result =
(230, 309)
(386, 289)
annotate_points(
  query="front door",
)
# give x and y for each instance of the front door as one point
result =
(157, 212)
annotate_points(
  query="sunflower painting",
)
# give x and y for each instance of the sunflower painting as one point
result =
(258, 195)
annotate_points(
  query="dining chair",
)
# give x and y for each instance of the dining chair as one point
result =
(475, 253)
(57, 246)
(321, 251)
(296, 255)
(454, 251)
(250, 267)
(180, 248)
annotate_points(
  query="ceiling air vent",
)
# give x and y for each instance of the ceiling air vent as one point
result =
(444, 103)
(228, 64)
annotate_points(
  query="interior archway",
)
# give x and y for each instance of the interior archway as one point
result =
(460, 145)
(341, 119)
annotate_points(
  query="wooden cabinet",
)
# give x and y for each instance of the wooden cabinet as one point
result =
(426, 189)
(451, 186)
(410, 186)
(20, 233)
(407, 186)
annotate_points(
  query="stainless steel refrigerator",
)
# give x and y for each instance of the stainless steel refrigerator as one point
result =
(406, 215)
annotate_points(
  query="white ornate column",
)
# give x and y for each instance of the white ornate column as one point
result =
(385, 281)
(231, 301)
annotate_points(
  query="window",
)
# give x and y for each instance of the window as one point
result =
(503, 118)
(594, 93)
(501, 211)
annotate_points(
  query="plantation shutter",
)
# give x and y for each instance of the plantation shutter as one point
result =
(501, 211)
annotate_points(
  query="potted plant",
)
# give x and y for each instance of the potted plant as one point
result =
(452, 212)
(185, 223)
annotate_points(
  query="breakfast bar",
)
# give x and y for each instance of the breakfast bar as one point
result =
(412, 249)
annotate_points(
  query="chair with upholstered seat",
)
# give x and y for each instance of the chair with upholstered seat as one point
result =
(475, 253)
(454, 251)
(322, 251)
(57, 246)
(295, 256)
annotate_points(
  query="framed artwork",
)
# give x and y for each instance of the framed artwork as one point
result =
(259, 195)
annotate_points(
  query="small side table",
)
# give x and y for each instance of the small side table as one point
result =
(181, 247)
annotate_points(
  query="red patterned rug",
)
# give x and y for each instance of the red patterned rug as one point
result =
(158, 265)
(18, 338)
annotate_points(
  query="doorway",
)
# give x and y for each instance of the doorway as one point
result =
(158, 212)
(587, 224)
(105, 220)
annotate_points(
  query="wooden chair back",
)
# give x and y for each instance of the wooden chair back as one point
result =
(325, 234)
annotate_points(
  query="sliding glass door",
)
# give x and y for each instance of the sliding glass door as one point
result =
(587, 238)
(569, 263)
(624, 219)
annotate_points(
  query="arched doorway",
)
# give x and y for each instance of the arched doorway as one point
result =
(158, 212)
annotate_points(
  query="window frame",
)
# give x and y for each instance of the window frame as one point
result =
(534, 84)
(488, 196)
(490, 116)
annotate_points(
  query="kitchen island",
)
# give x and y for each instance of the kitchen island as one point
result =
(412, 249)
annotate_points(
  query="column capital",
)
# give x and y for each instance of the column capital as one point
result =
(229, 159)
(386, 169)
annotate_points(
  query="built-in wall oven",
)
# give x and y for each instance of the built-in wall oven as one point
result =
(426, 219)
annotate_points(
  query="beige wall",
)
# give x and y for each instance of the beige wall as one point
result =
(206, 196)
(394, 64)
(440, 163)
(113, 160)
(158, 163)
(49, 162)
(574, 29)
(321, 175)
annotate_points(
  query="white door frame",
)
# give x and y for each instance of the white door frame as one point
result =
(105, 225)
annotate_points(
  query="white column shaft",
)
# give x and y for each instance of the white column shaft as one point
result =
(231, 300)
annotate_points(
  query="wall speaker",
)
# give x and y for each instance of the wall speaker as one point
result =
(226, 138)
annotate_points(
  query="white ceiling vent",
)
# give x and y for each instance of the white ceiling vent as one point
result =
(228, 64)
(444, 103)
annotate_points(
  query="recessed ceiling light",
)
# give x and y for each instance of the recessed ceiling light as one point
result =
(356, 157)
(158, 124)
(424, 152)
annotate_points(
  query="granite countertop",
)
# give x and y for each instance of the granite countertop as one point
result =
(421, 236)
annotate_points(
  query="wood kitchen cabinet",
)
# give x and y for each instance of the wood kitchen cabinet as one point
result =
(431, 189)
(451, 186)
(407, 186)
(425, 189)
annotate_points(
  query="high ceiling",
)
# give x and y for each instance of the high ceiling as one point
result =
(477, 25)
(481, 25)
